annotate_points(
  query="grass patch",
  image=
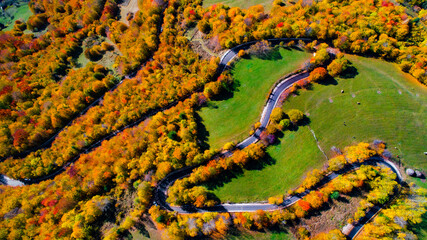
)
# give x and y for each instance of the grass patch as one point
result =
(421, 229)
(231, 119)
(13, 13)
(244, 234)
(267, 4)
(290, 159)
(107, 59)
(418, 182)
(393, 108)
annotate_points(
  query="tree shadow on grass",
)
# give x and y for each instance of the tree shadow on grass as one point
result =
(296, 48)
(76, 54)
(202, 132)
(343, 199)
(272, 55)
(328, 81)
(236, 233)
(223, 178)
(229, 175)
(292, 48)
(350, 72)
(317, 212)
(421, 227)
(259, 165)
(305, 121)
(228, 92)
(139, 228)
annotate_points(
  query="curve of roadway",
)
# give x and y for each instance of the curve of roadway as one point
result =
(160, 193)
(162, 188)
(225, 59)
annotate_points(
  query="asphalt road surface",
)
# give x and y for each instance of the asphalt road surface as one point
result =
(226, 58)
(160, 193)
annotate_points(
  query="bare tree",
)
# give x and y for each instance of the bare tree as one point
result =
(261, 48)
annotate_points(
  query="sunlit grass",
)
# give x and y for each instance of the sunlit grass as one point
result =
(392, 108)
(231, 119)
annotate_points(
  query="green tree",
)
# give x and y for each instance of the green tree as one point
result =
(276, 115)
(295, 115)
(172, 135)
(337, 66)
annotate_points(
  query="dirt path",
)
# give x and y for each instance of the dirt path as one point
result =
(196, 38)
(205, 48)
(128, 6)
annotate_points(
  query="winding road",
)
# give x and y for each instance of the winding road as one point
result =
(225, 59)
(160, 193)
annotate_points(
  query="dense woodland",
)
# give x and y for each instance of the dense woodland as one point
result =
(379, 183)
(372, 28)
(159, 82)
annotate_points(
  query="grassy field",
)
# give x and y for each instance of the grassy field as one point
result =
(393, 108)
(13, 13)
(254, 235)
(231, 119)
(296, 153)
(267, 4)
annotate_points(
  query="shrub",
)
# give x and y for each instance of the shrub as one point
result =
(160, 219)
(337, 66)
(95, 53)
(335, 195)
(276, 115)
(321, 57)
(37, 22)
(276, 200)
(241, 53)
(261, 48)
(303, 233)
(336, 163)
(229, 146)
(295, 115)
(284, 124)
(106, 47)
(318, 74)
(172, 135)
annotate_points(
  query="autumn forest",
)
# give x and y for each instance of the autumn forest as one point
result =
(95, 143)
